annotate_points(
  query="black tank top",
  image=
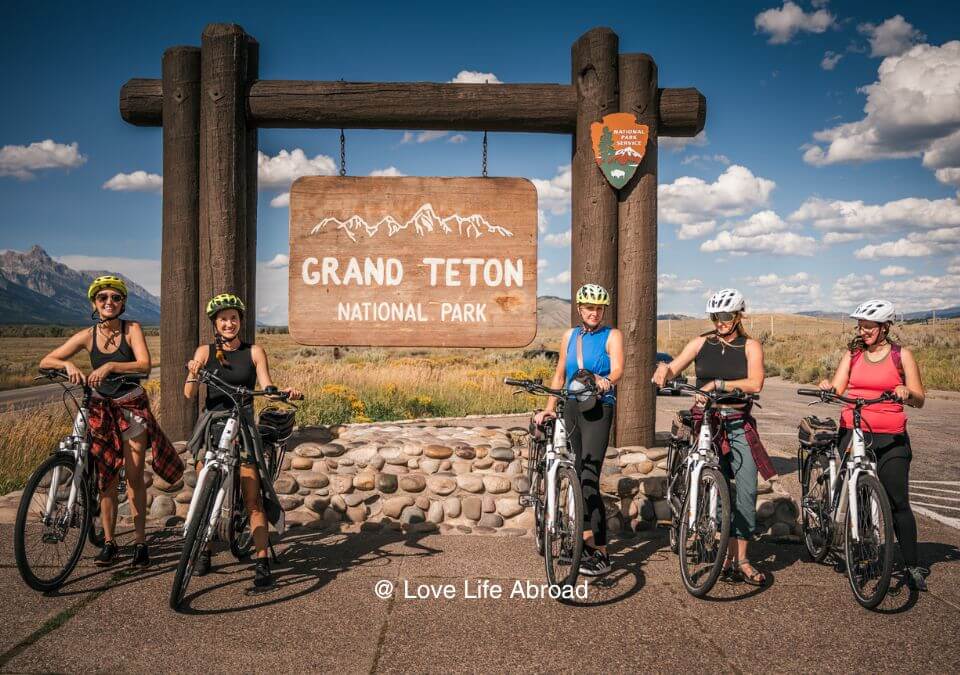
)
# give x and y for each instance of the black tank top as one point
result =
(239, 371)
(718, 360)
(124, 354)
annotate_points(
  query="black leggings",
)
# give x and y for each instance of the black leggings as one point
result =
(893, 467)
(589, 433)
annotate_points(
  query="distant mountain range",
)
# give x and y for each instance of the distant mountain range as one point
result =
(36, 289)
(554, 312)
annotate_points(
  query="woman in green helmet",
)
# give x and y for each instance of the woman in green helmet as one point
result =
(121, 424)
(244, 365)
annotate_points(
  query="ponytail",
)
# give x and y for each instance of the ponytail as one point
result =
(220, 353)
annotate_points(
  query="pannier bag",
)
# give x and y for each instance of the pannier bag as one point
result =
(276, 424)
(816, 432)
(681, 429)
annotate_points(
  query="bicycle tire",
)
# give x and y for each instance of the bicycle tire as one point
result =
(238, 529)
(567, 536)
(853, 552)
(536, 491)
(699, 585)
(95, 534)
(816, 537)
(30, 573)
(195, 538)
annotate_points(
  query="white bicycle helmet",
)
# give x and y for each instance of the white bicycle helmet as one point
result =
(877, 310)
(726, 300)
(593, 294)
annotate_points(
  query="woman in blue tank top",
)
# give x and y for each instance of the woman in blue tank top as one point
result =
(599, 349)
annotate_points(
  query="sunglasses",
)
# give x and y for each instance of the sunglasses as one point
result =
(723, 316)
(103, 297)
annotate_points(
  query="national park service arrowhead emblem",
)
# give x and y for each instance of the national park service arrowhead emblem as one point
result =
(619, 144)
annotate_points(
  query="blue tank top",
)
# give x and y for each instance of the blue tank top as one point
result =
(595, 357)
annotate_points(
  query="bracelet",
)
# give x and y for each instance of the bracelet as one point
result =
(719, 384)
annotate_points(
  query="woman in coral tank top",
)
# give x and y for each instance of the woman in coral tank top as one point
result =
(872, 365)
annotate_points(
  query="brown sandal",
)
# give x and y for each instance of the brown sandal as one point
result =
(758, 578)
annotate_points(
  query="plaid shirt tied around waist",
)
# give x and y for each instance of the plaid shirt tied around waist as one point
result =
(760, 456)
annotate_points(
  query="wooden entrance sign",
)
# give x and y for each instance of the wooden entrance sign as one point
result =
(413, 261)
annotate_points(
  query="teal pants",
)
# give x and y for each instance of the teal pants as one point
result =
(738, 464)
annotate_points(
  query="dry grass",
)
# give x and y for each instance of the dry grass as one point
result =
(26, 439)
(19, 357)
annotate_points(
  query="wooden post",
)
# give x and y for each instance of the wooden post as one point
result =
(179, 256)
(250, 295)
(593, 218)
(224, 145)
(636, 296)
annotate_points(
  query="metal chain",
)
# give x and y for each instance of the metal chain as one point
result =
(484, 154)
(343, 154)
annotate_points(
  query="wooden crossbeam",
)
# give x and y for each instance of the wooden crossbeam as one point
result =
(296, 104)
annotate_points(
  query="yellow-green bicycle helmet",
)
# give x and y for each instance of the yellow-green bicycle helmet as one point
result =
(593, 294)
(224, 301)
(106, 281)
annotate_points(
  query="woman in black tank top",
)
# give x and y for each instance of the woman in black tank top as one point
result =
(724, 359)
(240, 364)
(116, 347)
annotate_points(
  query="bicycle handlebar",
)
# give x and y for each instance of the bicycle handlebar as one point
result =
(234, 391)
(737, 395)
(59, 373)
(533, 387)
(830, 396)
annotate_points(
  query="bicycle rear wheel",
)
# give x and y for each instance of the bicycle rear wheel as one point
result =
(196, 537)
(703, 547)
(870, 560)
(539, 510)
(815, 504)
(47, 544)
(563, 542)
(238, 529)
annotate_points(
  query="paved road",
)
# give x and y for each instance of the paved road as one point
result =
(31, 397)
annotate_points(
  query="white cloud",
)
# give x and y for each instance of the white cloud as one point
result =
(473, 77)
(901, 248)
(138, 181)
(692, 200)
(784, 23)
(390, 171)
(785, 243)
(558, 239)
(272, 299)
(953, 267)
(912, 109)
(671, 283)
(894, 271)
(678, 143)
(562, 278)
(831, 238)
(909, 295)
(280, 171)
(20, 161)
(554, 193)
(543, 221)
(892, 37)
(542, 264)
(696, 230)
(281, 201)
(457, 138)
(786, 295)
(278, 261)
(143, 271)
(772, 279)
(830, 60)
(722, 159)
(423, 136)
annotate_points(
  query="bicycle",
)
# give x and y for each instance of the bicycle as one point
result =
(699, 497)
(555, 493)
(847, 487)
(216, 509)
(61, 500)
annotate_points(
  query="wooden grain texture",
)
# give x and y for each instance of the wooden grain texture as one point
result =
(223, 168)
(252, 149)
(594, 202)
(180, 249)
(637, 272)
(545, 108)
(344, 218)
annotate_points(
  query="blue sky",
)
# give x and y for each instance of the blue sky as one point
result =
(829, 171)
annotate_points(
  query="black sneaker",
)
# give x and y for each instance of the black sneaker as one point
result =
(916, 579)
(141, 556)
(595, 564)
(261, 574)
(204, 562)
(107, 555)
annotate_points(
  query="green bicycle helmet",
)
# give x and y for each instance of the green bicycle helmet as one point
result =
(224, 301)
(106, 281)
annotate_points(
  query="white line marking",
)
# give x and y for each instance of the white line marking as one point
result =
(937, 506)
(917, 493)
(946, 520)
(930, 489)
(938, 482)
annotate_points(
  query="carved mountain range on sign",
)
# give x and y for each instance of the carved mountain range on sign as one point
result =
(424, 222)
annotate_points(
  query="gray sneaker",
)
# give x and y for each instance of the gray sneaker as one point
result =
(596, 564)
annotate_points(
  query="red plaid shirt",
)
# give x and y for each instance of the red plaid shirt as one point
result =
(107, 424)
(760, 456)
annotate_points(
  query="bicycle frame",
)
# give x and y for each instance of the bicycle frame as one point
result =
(858, 462)
(223, 460)
(703, 456)
(77, 445)
(557, 455)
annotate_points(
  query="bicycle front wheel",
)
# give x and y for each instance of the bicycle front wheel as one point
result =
(702, 547)
(815, 504)
(539, 512)
(870, 559)
(563, 540)
(238, 529)
(196, 537)
(48, 537)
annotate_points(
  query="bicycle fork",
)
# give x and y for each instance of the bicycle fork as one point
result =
(694, 469)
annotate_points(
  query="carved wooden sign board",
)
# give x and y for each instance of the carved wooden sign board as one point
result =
(402, 262)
